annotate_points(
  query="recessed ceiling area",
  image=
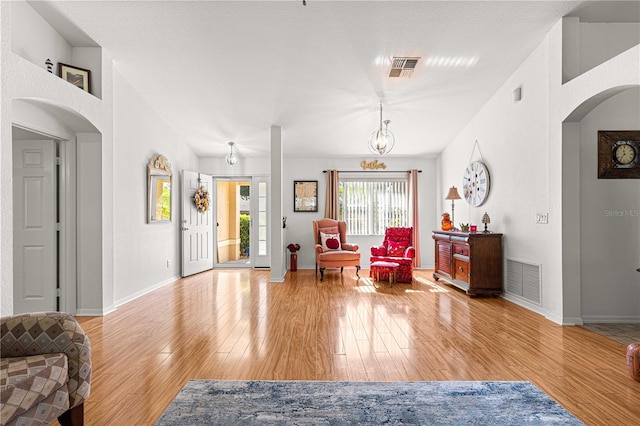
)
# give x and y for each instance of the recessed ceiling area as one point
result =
(219, 71)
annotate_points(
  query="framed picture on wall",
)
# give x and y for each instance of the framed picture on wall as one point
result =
(79, 77)
(305, 195)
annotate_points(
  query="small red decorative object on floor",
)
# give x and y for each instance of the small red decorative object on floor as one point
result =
(633, 361)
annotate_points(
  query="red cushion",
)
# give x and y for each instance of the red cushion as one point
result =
(396, 249)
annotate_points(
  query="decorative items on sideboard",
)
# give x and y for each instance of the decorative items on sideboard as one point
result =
(470, 261)
(453, 196)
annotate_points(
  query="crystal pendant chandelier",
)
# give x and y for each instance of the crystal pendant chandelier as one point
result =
(231, 159)
(381, 141)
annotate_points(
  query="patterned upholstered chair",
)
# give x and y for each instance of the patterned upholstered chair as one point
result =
(332, 249)
(397, 247)
(45, 369)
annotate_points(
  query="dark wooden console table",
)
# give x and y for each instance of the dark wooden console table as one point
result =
(471, 261)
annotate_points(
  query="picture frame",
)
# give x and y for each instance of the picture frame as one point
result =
(619, 154)
(77, 76)
(305, 195)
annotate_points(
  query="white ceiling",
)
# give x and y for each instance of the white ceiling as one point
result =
(226, 71)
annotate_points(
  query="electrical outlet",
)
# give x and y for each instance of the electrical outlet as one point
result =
(542, 218)
(168, 263)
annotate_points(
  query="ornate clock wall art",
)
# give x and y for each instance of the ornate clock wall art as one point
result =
(476, 183)
(619, 154)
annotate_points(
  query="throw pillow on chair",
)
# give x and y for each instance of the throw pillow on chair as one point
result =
(396, 249)
(330, 241)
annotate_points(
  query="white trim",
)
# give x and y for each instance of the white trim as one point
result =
(520, 301)
(145, 291)
(626, 319)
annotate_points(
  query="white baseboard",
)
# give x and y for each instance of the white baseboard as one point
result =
(609, 319)
(144, 291)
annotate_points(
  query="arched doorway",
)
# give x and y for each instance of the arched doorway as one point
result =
(48, 269)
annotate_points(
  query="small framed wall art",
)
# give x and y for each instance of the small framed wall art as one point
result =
(619, 154)
(305, 195)
(79, 77)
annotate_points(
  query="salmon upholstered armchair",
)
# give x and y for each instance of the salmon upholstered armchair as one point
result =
(332, 249)
(397, 247)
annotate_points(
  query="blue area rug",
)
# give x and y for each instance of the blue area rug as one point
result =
(213, 402)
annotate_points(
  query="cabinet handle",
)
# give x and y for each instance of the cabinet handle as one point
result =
(461, 269)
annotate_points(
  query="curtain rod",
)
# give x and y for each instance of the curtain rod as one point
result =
(372, 171)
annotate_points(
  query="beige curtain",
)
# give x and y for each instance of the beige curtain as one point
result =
(331, 206)
(413, 214)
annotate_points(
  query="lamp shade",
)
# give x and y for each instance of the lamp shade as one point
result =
(453, 194)
(485, 218)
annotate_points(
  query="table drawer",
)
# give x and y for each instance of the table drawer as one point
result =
(461, 249)
(461, 270)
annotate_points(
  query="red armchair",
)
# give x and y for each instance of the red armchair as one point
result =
(397, 247)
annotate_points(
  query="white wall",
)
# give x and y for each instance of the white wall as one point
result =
(610, 220)
(513, 142)
(522, 144)
(600, 42)
(89, 223)
(35, 40)
(142, 250)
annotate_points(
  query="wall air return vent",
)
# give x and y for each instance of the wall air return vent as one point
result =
(523, 280)
(403, 66)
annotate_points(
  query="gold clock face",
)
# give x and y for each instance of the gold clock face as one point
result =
(476, 183)
(624, 154)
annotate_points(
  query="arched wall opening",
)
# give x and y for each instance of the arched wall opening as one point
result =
(79, 200)
(601, 217)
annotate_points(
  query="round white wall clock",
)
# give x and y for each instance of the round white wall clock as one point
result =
(476, 183)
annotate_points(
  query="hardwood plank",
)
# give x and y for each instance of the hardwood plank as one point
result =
(235, 324)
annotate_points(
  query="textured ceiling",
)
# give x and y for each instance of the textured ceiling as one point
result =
(226, 71)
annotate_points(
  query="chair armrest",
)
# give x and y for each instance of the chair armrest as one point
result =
(55, 332)
(350, 247)
(410, 252)
(319, 249)
(378, 251)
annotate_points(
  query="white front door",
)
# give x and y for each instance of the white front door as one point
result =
(197, 228)
(35, 272)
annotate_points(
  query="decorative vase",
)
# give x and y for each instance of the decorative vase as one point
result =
(446, 222)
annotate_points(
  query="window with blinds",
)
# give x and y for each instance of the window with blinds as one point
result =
(370, 206)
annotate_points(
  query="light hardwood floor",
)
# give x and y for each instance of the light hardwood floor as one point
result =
(234, 324)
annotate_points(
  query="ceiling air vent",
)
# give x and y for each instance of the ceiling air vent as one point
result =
(402, 67)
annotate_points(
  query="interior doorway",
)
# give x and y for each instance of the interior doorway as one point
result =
(233, 222)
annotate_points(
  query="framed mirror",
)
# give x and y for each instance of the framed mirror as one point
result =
(159, 180)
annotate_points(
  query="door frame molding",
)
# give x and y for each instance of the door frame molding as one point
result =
(231, 178)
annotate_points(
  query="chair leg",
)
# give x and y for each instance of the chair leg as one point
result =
(73, 417)
(357, 270)
(321, 274)
(341, 268)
